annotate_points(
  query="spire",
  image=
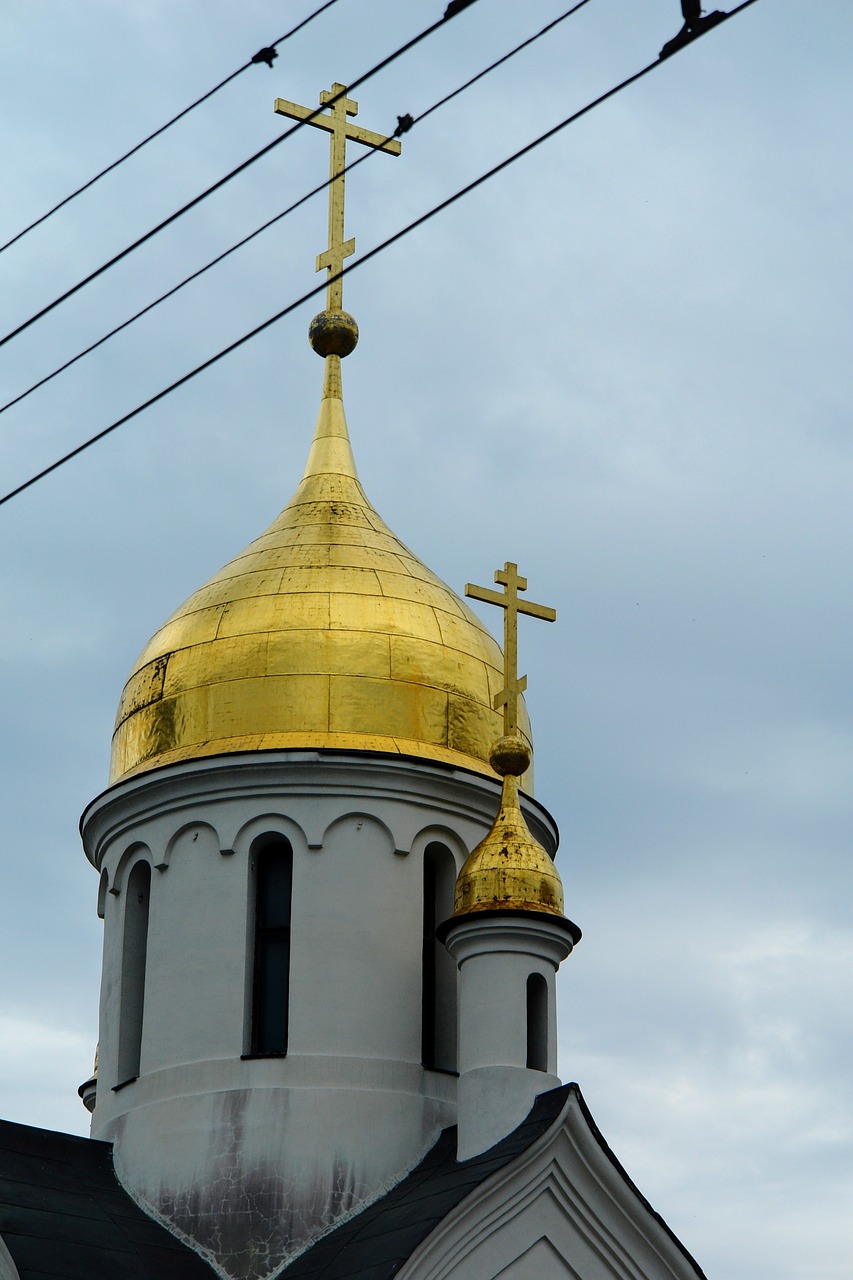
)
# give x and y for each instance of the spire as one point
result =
(334, 333)
(509, 601)
(510, 870)
(336, 124)
(331, 452)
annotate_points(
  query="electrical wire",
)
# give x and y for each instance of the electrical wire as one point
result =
(269, 50)
(371, 253)
(455, 7)
(290, 209)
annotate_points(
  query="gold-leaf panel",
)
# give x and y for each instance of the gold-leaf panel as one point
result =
(181, 629)
(368, 558)
(375, 613)
(276, 613)
(269, 704)
(335, 652)
(424, 662)
(399, 586)
(358, 704)
(144, 686)
(330, 578)
(228, 658)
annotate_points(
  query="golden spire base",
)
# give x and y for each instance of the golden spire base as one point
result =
(331, 452)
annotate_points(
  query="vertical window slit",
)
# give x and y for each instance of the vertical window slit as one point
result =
(537, 1023)
(439, 982)
(271, 995)
(134, 956)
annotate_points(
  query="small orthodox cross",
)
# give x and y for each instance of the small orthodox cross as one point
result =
(336, 123)
(509, 601)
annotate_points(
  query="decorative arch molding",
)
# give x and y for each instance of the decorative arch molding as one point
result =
(195, 825)
(134, 852)
(312, 787)
(268, 824)
(358, 818)
(438, 834)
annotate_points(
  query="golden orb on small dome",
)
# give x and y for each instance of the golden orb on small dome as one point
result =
(333, 333)
(510, 754)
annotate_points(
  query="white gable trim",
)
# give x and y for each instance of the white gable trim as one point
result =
(566, 1190)
(541, 1260)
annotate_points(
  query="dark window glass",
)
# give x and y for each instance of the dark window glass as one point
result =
(537, 1023)
(133, 961)
(274, 902)
(274, 877)
(439, 991)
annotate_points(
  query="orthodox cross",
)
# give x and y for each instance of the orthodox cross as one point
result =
(336, 123)
(509, 601)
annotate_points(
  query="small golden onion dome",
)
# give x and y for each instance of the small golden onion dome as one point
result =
(326, 632)
(509, 870)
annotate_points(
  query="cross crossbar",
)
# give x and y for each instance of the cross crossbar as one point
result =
(335, 122)
(508, 600)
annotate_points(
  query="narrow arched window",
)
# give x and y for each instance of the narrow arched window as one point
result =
(537, 1023)
(273, 881)
(439, 992)
(133, 959)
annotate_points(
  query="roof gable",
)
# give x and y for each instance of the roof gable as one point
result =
(565, 1200)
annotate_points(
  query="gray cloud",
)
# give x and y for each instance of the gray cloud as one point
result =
(624, 363)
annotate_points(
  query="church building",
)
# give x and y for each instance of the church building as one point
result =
(332, 927)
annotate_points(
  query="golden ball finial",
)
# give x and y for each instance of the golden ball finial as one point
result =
(333, 333)
(510, 755)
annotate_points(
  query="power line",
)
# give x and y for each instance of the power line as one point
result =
(371, 253)
(264, 55)
(291, 208)
(549, 26)
(449, 13)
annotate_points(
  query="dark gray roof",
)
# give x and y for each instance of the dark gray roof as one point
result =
(65, 1216)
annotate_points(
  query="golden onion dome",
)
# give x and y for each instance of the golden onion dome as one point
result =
(510, 870)
(326, 632)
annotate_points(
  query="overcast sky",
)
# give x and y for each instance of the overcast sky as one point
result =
(624, 363)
